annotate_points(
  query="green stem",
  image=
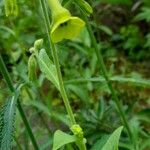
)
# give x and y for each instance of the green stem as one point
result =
(82, 146)
(27, 126)
(61, 84)
(46, 22)
(8, 80)
(105, 74)
(5, 73)
(56, 62)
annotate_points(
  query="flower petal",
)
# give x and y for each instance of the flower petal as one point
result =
(74, 27)
(69, 31)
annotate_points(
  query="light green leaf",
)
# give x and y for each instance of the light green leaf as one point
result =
(47, 67)
(100, 143)
(106, 29)
(85, 6)
(112, 142)
(144, 14)
(108, 142)
(10, 31)
(61, 139)
(120, 79)
(7, 121)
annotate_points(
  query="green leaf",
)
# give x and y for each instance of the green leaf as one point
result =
(100, 143)
(108, 142)
(147, 43)
(32, 65)
(7, 120)
(113, 141)
(47, 67)
(135, 81)
(61, 139)
(144, 15)
(106, 29)
(10, 31)
(85, 6)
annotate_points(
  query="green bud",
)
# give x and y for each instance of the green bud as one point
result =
(38, 44)
(32, 50)
(77, 130)
(32, 65)
(85, 6)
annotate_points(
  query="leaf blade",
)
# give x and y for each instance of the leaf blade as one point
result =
(47, 67)
(113, 140)
(61, 139)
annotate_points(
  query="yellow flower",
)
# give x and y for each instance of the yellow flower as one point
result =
(64, 25)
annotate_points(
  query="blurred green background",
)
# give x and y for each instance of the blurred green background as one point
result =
(122, 30)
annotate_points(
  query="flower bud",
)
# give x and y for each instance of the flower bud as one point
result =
(32, 65)
(77, 130)
(32, 50)
(85, 6)
(38, 44)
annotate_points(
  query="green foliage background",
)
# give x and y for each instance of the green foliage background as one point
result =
(122, 30)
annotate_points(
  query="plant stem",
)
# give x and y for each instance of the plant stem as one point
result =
(5, 74)
(56, 62)
(8, 80)
(82, 146)
(46, 22)
(61, 84)
(105, 74)
(26, 123)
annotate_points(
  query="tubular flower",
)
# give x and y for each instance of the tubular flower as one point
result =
(64, 26)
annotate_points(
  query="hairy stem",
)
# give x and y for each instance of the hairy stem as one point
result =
(8, 80)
